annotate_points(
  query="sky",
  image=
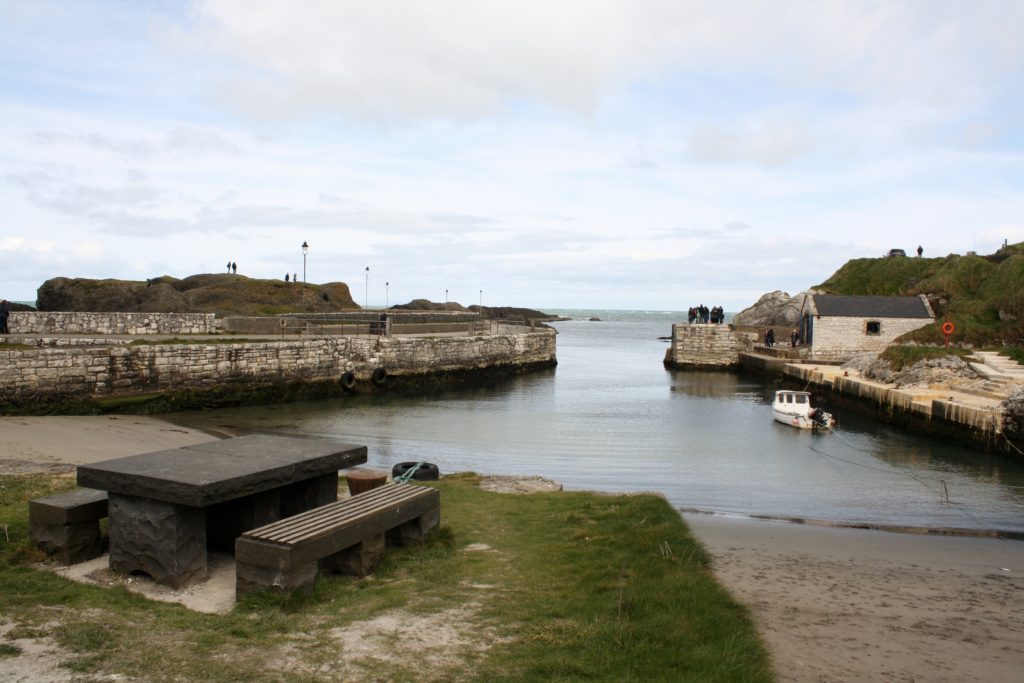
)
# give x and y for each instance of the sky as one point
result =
(630, 154)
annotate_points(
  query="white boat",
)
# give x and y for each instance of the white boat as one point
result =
(793, 408)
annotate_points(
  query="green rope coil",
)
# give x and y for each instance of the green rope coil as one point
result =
(405, 477)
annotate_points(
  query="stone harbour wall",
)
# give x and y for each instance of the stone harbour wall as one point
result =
(64, 322)
(89, 372)
(936, 414)
(717, 346)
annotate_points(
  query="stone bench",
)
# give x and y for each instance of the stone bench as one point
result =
(66, 526)
(346, 536)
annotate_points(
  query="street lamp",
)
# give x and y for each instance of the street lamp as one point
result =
(366, 290)
(386, 300)
(446, 299)
(305, 250)
(481, 300)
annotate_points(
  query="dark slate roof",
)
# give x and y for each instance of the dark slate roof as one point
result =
(870, 306)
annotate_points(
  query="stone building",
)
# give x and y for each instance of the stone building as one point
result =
(841, 326)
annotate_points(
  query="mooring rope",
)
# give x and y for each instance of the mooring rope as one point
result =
(406, 476)
(943, 494)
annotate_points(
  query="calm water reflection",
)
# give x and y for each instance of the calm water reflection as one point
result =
(611, 418)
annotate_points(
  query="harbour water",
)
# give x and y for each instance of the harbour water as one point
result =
(611, 418)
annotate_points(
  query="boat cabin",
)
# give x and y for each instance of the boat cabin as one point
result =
(793, 401)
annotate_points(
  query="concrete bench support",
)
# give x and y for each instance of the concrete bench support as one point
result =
(66, 526)
(347, 536)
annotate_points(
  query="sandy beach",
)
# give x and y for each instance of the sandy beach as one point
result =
(837, 604)
(58, 443)
(832, 604)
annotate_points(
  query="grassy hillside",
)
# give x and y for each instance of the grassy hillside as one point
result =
(983, 296)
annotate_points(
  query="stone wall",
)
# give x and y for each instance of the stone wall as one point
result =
(706, 346)
(54, 322)
(84, 372)
(838, 337)
(936, 415)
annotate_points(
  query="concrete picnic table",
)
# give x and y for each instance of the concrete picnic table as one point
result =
(166, 508)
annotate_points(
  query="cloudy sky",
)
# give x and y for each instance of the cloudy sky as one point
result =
(649, 154)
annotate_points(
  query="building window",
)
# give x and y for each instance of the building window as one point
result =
(873, 327)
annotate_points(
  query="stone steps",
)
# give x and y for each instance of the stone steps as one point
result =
(1002, 375)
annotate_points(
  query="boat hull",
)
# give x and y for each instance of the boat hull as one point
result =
(801, 421)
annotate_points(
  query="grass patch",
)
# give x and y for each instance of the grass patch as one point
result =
(8, 650)
(901, 356)
(1013, 352)
(559, 586)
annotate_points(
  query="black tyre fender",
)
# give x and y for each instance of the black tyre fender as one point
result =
(379, 376)
(427, 472)
(347, 380)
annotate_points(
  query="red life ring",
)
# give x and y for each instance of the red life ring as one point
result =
(947, 328)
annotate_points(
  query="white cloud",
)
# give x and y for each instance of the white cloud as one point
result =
(407, 59)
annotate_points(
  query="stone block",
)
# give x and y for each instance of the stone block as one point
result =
(70, 507)
(67, 543)
(228, 520)
(250, 578)
(308, 494)
(414, 531)
(358, 560)
(163, 540)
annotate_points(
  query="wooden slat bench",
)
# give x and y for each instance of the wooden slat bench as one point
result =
(66, 526)
(346, 536)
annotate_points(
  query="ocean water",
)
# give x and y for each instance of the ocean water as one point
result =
(610, 417)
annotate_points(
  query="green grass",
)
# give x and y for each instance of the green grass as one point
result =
(547, 587)
(983, 296)
(10, 346)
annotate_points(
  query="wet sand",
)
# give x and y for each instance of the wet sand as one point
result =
(58, 443)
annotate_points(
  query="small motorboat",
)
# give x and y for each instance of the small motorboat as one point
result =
(793, 408)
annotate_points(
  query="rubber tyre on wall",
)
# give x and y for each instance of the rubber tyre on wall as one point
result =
(379, 376)
(348, 380)
(427, 472)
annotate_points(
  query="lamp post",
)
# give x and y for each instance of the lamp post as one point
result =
(446, 300)
(387, 305)
(366, 290)
(305, 250)
(481, 301)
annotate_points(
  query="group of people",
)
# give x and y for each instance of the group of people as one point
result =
(703, 314)
(295, 277)
(769, 337)
(232, 267)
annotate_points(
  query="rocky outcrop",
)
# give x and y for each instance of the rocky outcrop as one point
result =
(774, 309)
(923, 373)
(1013, 418)
(221, 293)
(486, 312)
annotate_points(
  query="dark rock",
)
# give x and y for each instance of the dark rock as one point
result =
(1013, 418)
(220, 293)
(773, 309)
